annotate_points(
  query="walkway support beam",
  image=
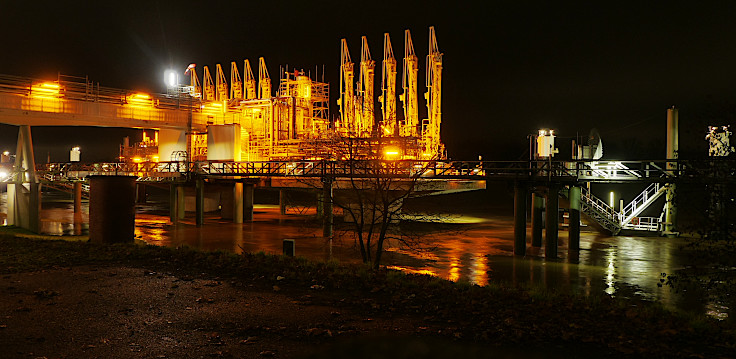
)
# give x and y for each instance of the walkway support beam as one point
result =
(248, 200)
(199, 201)
(574, 228)
(238, 202)
(520, 198)
(537, 209)
(550, 234)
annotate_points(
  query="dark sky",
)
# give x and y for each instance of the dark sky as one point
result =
(510, 67)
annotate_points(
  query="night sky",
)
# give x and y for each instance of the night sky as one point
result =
(510, 67)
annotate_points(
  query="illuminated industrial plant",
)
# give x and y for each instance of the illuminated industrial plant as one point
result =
(295, 123)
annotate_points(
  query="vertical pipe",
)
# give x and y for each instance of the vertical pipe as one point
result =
(520, 197)
(670, 225)
(551, 222)
(574, 233)
(248, 202)
(282, 201)
(537, 206)
(238, 202)
(199, 201)
(327, 195)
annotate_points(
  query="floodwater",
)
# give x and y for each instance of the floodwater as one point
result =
(474, 245)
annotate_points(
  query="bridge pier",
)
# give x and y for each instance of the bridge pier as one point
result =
(176, 202)
(199, 201)
(282, 201)
(140, 193)
(574, 228)
(112, 209)
(327, 206)
(537, 208)
(550, 234)
(248, 199)
(24, 192)
(238, 202)
(520, 197)
(77, 197)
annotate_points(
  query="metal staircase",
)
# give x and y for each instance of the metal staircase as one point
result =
(613, 221)
(631, 211)
(599, 211)
(50, 181)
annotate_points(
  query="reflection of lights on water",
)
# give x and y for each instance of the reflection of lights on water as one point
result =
(412, 270)
(479, 270)
(454, 273)
(716, 310)
(610, 272)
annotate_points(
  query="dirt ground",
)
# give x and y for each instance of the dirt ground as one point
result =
(128, 312)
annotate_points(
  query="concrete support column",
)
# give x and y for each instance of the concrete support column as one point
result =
(550, 234)
(238, 202)
(173, 217)
(176, 202)
(327, 203)
(180, 200)
(537, 207)
(574, 228)
(199, 201)
(282, 201)
(248, 201)
(520, 197)
(140, 193)
(24, 192)
(112, 209)
(77, 197)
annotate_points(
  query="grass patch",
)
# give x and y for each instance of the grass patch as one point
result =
(493, 314)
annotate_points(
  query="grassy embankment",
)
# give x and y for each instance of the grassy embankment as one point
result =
(493, 315)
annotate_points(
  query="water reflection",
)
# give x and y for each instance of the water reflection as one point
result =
(477, 250)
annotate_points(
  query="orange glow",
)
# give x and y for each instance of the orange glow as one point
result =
(46, 90)
(140, 99)
(137, 159)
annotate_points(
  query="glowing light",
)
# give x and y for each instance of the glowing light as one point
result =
(137, 159)
(171, 78)
(3, 173)
(46, 90)
(612, 203)
(155, 158)
(391, 153)
(6, 153)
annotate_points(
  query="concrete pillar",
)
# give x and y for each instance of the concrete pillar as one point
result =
(537, 207)
(140, 193)
(77, 197)
(176, 202)
(520, 197)
(574, 228)
(180, 200)
(112, 209)
(550, 234)
(670, 209)
(248, 200)
(173, 212)
(199, 201)
(282, 201)
(327, 219)
(238, 202)
(24, 192)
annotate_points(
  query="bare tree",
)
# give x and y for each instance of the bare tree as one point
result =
(370, 190)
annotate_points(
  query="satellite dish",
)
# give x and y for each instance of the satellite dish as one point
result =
(595, 144)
